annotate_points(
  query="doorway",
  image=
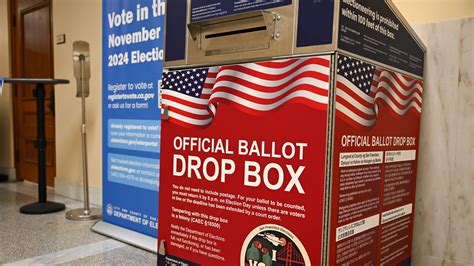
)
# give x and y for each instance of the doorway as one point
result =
(32, 57)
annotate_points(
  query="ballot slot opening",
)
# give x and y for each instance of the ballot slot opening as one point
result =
(238, 33)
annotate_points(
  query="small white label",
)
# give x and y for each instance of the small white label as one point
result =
(360, 158)
(396, 213)
(400, 156)
(358, 227)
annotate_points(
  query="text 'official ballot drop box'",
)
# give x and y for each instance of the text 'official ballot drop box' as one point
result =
(290, 133)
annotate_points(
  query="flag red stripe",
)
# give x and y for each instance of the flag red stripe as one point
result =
(397, 103)
(251, 111)
(275, 77)
(184, 102)
(354, 95)
(208, 86)
(395, 114)
(400, 83)
(276, 64)
(257, 100)
(354, 109)
(212, 74)
(187, 114)
(250, 84)
(349, 120)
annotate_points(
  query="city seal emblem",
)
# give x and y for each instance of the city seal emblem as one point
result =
(273, 245)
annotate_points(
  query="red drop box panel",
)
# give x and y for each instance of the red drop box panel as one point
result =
(277, 163)
(375, 151)
(243, 166)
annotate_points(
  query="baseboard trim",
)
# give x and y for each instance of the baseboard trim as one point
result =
(73, 190)
(10, 172)
(130, 237)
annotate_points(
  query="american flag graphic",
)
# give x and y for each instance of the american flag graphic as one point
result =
(192, 96)
(362, 87)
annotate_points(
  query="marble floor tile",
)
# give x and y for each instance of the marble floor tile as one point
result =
(25, 236)
(122, 256)
(71, 254)
(50, 239)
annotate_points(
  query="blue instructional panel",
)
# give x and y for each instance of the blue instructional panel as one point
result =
(207, 9)
(132, 67)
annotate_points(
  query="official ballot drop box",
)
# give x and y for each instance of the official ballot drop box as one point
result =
(290, 133)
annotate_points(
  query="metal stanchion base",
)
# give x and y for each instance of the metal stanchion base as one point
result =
(80, 215)
(42, 208)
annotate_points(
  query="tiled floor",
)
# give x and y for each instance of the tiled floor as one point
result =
(51, 239)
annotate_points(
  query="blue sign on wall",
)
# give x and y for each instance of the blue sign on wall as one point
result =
(132, 67)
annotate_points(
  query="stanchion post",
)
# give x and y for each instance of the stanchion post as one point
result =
(39, 93)
(81, 54)
(43, 206)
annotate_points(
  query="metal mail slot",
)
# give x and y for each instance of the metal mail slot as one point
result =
(246, 32)
(253, 34)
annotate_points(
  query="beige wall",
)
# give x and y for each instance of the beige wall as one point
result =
(6, 117)
(425, 11)
(79, 20)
